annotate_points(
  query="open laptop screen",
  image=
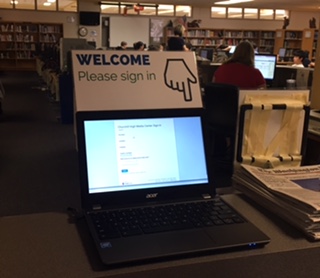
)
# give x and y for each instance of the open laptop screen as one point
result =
(266, 63)
(129, 154)
(232, 49)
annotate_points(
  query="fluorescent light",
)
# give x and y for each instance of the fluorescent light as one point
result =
(46, 4)
(51, 1)
(230, 2)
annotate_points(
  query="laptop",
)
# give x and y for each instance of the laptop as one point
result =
(232, 49)
(138, 163)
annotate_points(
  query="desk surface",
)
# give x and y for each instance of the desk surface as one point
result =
(48, 245)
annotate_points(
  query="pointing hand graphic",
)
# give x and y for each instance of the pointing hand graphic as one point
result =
(178, 77)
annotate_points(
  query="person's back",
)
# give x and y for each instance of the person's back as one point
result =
(139, 46)
(122, 46)
(177, 42)
(306, 61)
(240, 75)
(239, 70)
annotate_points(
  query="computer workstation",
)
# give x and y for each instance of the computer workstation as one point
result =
(275, 73)
(75, 257)
(303, 77)
(206, 54)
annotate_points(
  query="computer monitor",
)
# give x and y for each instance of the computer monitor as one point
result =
(282, 52)
(206, 53)
(266, 63)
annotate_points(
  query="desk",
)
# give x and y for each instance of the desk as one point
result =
(282, 73)
(284, 63)
(47, 245)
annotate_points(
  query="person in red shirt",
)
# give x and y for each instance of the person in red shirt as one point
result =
(239, 69)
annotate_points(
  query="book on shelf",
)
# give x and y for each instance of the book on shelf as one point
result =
(291, 193)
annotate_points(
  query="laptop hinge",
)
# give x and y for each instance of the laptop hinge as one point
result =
(206, 196)
(96, 207)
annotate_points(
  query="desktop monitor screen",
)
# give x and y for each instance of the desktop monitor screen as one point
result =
(204, 53)
(282, 52)
(207, 53)
(266, 63)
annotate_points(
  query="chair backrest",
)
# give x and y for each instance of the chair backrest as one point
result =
(302, 78)
(221, 105)
(221, 112)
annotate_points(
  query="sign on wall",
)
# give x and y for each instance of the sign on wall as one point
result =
(120, 80)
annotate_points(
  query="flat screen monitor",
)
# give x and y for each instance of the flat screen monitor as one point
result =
(282, 52)
(207, 53)
(266, 63)
(89, 18)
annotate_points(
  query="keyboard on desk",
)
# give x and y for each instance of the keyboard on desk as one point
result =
(163, 218)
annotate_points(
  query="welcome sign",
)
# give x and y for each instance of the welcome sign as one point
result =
(123, 80)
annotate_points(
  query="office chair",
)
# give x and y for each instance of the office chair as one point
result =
(220, 118)
(302, 78)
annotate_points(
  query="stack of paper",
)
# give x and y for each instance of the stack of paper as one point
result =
(291, 193)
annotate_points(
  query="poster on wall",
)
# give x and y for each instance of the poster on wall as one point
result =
(121, 80)
(156, 30)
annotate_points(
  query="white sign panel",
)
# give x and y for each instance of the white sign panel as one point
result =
(123, 80)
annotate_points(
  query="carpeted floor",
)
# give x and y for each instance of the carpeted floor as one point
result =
(38, 160)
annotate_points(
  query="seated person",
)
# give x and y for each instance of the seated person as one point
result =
(177, 43)
(123, 46)
(154, 47)
(163, 46)
(298, 57)
(221, 53)
(139, 45)
(306, 61)
(189, 46)
(224, 47)
(239, 69)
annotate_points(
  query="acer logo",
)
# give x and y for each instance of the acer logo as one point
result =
(152, 195)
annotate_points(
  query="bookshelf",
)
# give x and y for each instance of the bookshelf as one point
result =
(309, 41)
(266, 41)
(204, 37)
(22, 42)
(209, 37)
(232, 37)
(291, 40)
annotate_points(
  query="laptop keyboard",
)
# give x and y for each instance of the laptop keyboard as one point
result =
(147, 220)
